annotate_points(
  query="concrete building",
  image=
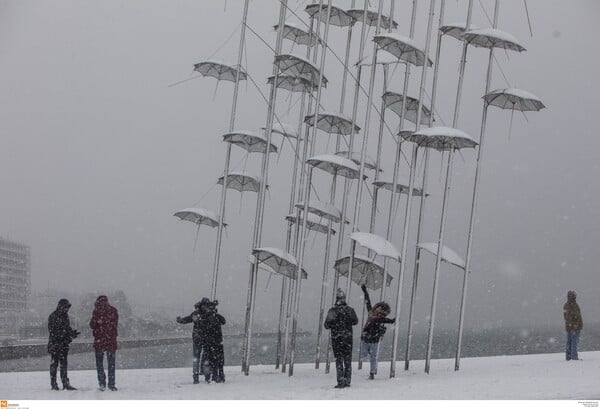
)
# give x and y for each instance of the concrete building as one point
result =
(15, 284)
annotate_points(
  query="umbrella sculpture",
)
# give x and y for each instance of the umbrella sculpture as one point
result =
(313, 223)
(456, 30)
(376, 244)
(338, 16)
(332, 123)
(220, 70)
(297, 34)
(355, 157)
(242, 182)
(198, 216)
(400, 187)
(281, 262)
(293, 83)
(395, 102)
(250, 141)
(403, 48)
(284, 130)
(325, 210)
(370, 18)
(290, 64)
(364, 271)
(448, 255)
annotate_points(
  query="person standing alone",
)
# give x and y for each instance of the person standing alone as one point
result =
(60, 336)
(340, 319)
(104, 322)
(573, 324)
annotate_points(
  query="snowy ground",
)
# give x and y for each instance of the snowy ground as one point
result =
(521, 377)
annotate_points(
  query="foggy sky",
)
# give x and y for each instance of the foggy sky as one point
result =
(97, 152)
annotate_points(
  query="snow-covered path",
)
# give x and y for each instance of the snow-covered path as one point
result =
(542, 377)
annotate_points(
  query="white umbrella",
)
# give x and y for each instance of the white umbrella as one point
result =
(293, 83)
(364, 271)
(394, 101)
(333, 123)
(371, 20)
(400, 187)
(442, 138)
(284, 130)
(514, 98)
(457, 30)
(383, 58)
(377, 244)
(313, 223)
(293, 65)
(448, 255)
(403, 48)
(297, 34)
(492, 38)
(242, 182)
(199, 216)
(281, 262)
(335, 165)
(324, 210)
(250, 141)
(338, 16)
(355, 157)
(219, 70)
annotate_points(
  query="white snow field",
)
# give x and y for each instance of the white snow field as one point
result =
(520, 377)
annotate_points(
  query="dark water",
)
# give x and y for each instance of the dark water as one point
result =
(505, 341)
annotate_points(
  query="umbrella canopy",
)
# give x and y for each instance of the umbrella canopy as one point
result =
(442, 138)
(457, 30)
(242, 182)
(297, 34)
(313, 223)
(492, 37)
(324, 210)
(513, 98)
(403, 48)
(383, 58)
(338, 16)
(355, 157)
(393, 101)
(376, 243)
(281, 262)
(295, 66)
(285, 130)
(199, 216)
(293, 84)
(364, 271)
(371, 20)
(332, 123)
(400, 188)
(335, 165)
(219, 70)
(448, 255)
(250, 141)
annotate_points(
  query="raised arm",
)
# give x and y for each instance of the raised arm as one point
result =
(367, 299)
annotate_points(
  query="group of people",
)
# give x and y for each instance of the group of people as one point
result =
(207, 337)
(207, 341)
(104, 323)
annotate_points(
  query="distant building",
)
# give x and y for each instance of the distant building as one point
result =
(15, 283)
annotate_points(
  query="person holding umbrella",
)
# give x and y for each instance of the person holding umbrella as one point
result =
(60, 336)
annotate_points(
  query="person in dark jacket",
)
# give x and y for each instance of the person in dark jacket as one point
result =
(373, 330)
(196, 316)
(573, 324)
(211, 337)
(104, 322)
(60, 336)
(340, 319)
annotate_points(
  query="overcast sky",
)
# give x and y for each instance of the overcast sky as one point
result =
(98, 151)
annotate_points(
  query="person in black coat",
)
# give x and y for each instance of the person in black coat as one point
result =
(211, 337)
(195, 317)
(340, 319)
(373, 330)
(60, 336)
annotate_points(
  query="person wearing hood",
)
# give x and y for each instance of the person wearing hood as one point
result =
(340, 319)
(60, 336)
(573, 325)
(104, 323)
(196, 317)
(211, 337)
(373, 330)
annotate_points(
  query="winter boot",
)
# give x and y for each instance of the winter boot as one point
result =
(68, 387)
(371, 376)
(339, 386)
(102, 388)
(54, 387)
(113, 388)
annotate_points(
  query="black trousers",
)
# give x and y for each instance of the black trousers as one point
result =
(214, 359)
(59, 358)
(342, 350)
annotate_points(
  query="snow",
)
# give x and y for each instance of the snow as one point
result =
(540, 377)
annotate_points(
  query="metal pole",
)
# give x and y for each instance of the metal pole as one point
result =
(261, 196)
(463, 63)
(217, 256)
(413, 293)
(474, 200)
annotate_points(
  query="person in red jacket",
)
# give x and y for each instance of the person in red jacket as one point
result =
(104, 322)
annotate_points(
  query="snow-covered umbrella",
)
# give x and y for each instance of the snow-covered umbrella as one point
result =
(492, 38)
(403, 48)
(442, 138)
(285, 130)
(448, 255)
(313, 223)
(198, 216)
(332, 123)
(364, 271)
(400, 187)
(219, 70)
(514, 98)
(280, 262)
(383, 58)
(457, 30)
(321, 209)
(242, 182)
(293, 83)
(394, 101)
(355, 157)
(371, 18)
(289, 64)
(335, 165)
(376, 244)
(297, 34)
(250, 141)
(338, 16)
